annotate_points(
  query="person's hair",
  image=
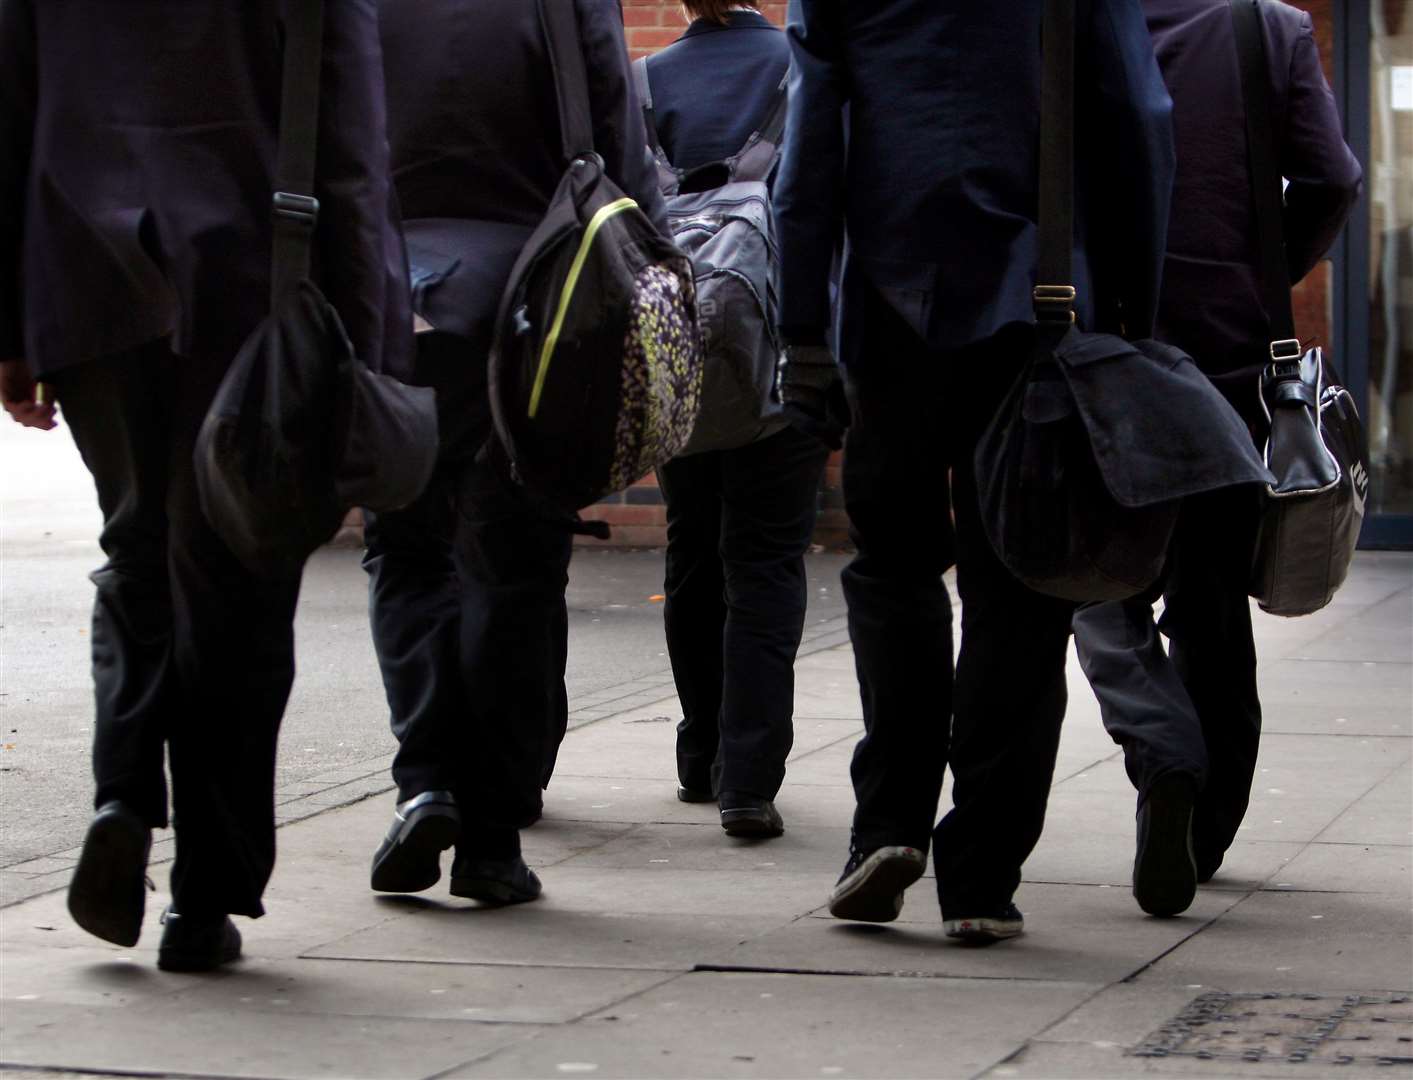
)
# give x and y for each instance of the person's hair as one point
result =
(714, 10)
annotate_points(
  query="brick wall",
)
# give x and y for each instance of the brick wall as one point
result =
(653, 24)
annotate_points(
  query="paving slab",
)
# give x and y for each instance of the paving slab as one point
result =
(1350, 868)
(1312, 942)
(706, 848)
(773, 1026)
(544, 934)
(159, 1038)
(1382, 816)
(1073, 933)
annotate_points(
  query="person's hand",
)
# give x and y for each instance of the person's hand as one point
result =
(17, 395)
(811, 393)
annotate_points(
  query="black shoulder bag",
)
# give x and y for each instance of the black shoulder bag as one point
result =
(1081, 472)
(300, 430)
(1316, 447)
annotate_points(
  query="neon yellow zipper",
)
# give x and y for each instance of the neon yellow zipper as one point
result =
(567, 294)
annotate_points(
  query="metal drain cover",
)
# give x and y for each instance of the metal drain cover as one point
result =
(1354, 1029)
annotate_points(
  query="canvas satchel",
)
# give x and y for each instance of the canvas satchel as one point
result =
(1082, 471)
(300, 430)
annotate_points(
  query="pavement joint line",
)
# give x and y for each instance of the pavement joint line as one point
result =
(1351, 805)
(859, 973)
(79, 1070)
(1200, 928)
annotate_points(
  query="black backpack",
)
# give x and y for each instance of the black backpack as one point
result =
(721, 218)
(596, 370)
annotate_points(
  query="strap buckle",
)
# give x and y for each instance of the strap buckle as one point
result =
(1054, 303)
(1284, 350)
(299, 209)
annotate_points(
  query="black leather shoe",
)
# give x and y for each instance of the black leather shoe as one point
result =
(1164, 871)
(692, 795)
(749, 816)
(494, 881)
(108, 891)
(197, 943)
(409, 858)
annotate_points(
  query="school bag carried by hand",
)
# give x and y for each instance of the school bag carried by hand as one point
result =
(1316, 448)
(596, 369)
(721, 218)
(300, 430)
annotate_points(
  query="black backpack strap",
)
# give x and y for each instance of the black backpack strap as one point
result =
(1266, 190)
(756, 160)
(571, 77)
(296, 210)
(1054, 294)
(643, 85)
(669, 178)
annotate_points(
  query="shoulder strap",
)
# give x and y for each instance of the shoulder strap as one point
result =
(1054, 294)
(645, 97)
(1265, 175)
(571, 77)
(296, 210)
(756, 160)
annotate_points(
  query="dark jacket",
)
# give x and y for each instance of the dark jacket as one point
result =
(137, 147)
(915, 125)
(476, 146)
(1211, 301)
(742, 63)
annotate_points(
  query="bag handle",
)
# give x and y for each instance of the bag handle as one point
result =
(295, 209)
(1266, 190)
(571, 77)
(1054, 294)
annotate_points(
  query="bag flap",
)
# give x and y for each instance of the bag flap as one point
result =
(1158, 427)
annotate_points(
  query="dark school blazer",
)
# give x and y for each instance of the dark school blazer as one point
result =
(1211, 305)
(137, 147)
(475, 135)
(914, 128)
(742, 62)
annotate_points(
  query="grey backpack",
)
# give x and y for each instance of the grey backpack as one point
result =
(721, 218)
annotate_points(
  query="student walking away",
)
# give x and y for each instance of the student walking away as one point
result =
(936, 322)
(139, 157)
(741, 502)
(467, 584)
(1189, 719)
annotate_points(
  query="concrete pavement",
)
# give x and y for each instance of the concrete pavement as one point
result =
(663, 948)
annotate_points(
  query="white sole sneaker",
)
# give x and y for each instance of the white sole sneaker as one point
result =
(985, 929)
(874, 891)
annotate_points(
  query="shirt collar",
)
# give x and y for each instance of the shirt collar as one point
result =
(736, 20)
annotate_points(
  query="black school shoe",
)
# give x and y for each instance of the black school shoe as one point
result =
(749, 817)
(108, 892)
(488, 867)
(197, 943)
(494, 881)
(988, 928)
(1164, 871)
(409, 858)
(871, 887)
(692, 795)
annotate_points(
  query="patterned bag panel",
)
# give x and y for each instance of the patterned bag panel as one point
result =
(661, 375)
